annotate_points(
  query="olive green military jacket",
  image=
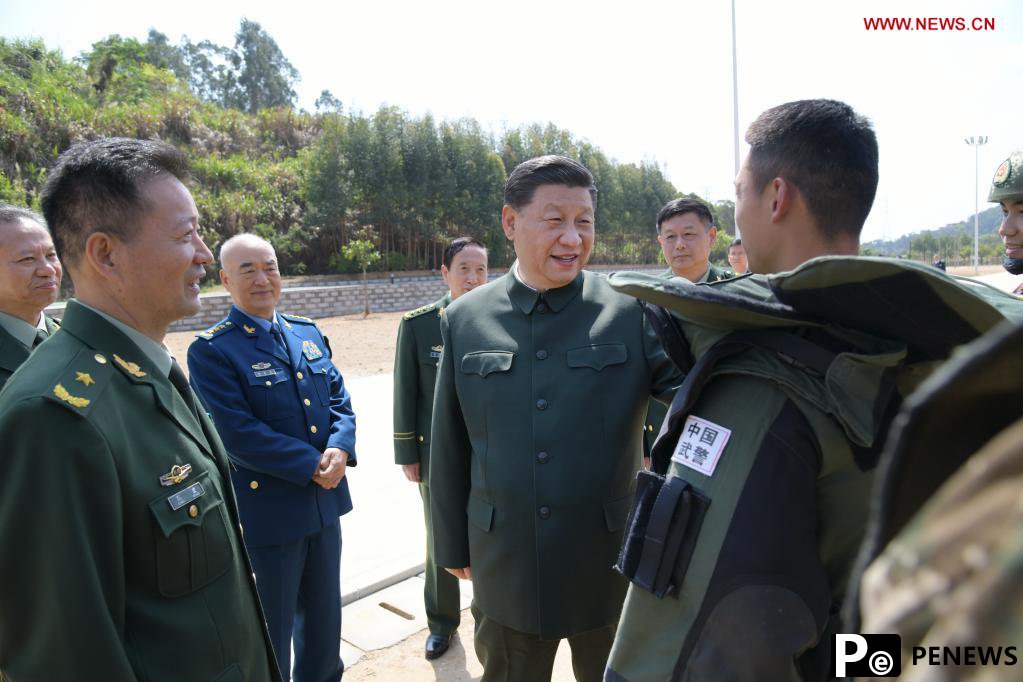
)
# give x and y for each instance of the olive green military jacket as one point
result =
(536, 441)
(112, 567)
(13, 353)
(657, 410)
(415, 375)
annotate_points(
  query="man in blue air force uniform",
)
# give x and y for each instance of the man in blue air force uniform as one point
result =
(281, 407)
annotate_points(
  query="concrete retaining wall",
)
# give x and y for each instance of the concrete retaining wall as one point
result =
(341, 299)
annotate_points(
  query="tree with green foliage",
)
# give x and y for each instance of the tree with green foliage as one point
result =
(363, 250)
(266, 78)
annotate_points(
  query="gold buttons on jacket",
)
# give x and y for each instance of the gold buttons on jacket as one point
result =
(254, 485)
(100, 359)
(299, 375)
(421, 439)
(306, 402)
(193, 511)
(269, 383)
(313, 428)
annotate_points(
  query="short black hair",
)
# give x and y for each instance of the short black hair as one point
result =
(456, 246)
(824, 148)
(736, 242)
(96, 187)
(684, 205)
(545, 170)
(9, 213)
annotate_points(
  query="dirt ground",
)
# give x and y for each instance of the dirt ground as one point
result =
(404, 662)
(361, 346)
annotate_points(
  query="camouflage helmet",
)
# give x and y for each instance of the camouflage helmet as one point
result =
(1008, 180)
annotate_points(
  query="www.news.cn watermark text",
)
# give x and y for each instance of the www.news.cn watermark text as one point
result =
(933, 24)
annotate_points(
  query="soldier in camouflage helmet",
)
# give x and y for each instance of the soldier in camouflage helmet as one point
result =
(1007, 190)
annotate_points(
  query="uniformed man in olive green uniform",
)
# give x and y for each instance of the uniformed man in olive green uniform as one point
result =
(415, 375)
(122, 557)
(30, 275)
(542, 388)
(686, 233)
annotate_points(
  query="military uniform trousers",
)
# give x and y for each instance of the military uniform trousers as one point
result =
(441, 595)
(299, 589)
(508, 655)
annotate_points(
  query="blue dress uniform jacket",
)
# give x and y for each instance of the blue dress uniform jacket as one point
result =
(276, 415)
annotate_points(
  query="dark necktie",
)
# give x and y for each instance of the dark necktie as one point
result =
(282, 348)
(41, 336)
(177, 378)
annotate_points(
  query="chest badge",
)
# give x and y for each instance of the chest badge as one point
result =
(261, 365)
(311, 351)
(248, 329)
(700, 445)
(177, 474)
(435, 351)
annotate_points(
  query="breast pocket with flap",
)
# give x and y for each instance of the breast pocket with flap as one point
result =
(597, 356)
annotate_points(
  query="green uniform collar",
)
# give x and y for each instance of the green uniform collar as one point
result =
(21, 330)
(127, 342)
(526, 298)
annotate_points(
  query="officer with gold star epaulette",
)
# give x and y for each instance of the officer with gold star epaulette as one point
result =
(286, 418)
(121, 538)
(416, 358)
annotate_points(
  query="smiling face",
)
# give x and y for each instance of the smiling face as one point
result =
(29, 269)
(162, 264)
(468, 270)
(685, 242)
(251, 275)
(1011, 229)
(552, 234)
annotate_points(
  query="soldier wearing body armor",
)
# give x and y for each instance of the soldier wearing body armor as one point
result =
(742, 537)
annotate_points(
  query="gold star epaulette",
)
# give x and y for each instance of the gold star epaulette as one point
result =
(297, 318)
(79, 386)
(412, 314)
(216, 330)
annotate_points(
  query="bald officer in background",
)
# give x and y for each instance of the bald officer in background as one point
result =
(286, 418)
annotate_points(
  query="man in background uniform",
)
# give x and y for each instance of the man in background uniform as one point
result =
(284, 414)
(686, 233)
(122, 556)
(737, 257)
(543, 383)
(1007, 190)
(30, 275)
(415, 376)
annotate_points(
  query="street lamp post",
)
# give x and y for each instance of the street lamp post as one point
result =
(975, 142)
(735, 103)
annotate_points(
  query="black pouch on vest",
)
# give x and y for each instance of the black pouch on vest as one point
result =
(661, 533)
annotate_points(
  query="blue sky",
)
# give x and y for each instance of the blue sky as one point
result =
(642, 80)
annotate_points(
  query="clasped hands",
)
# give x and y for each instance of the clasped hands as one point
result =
(332, 468)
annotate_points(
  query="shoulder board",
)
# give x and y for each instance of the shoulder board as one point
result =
(216, 330)
(80, 384)
(419, 311)
(297, 318)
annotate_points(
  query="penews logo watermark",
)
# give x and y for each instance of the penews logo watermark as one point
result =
(868, 655)
(881, 656)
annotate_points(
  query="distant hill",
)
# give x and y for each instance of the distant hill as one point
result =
(952, 242)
